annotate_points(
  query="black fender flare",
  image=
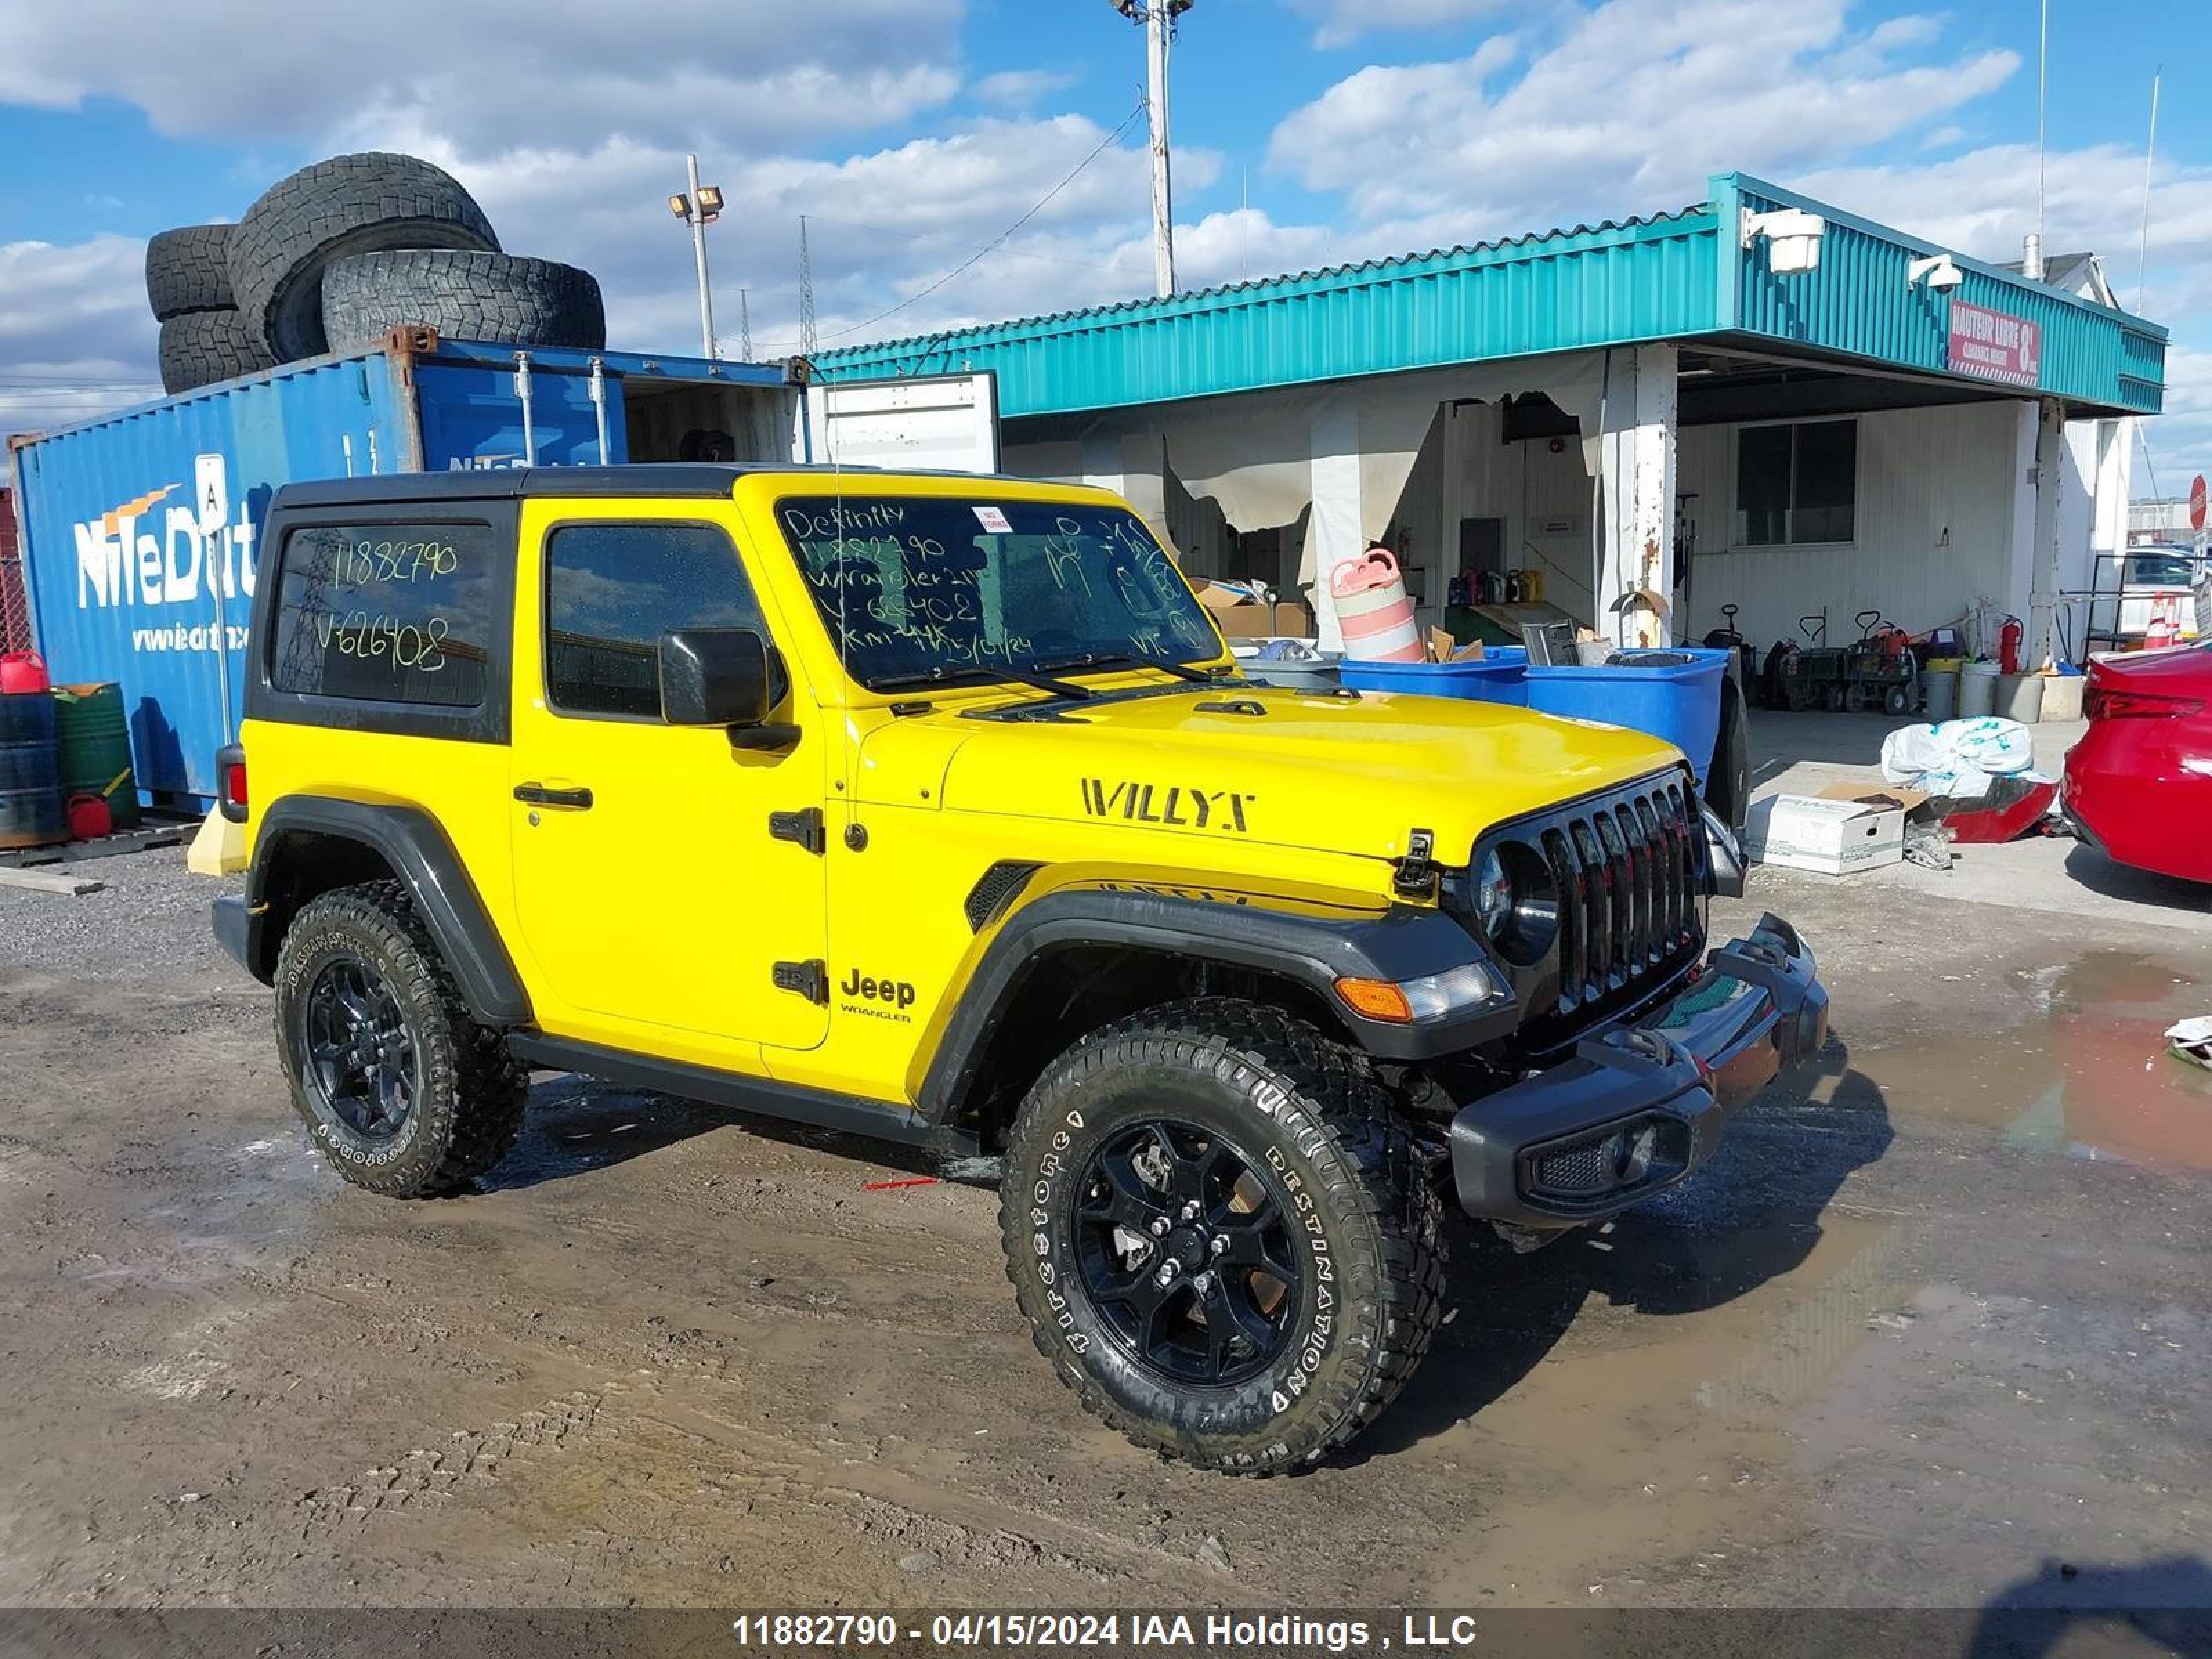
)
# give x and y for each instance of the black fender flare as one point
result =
(420, 854)
(1310, 945)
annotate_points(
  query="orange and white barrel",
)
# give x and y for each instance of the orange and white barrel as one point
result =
(1373, 610)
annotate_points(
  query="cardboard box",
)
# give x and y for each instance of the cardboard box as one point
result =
(1832, 837)
(1243, 618)
(1879, 794)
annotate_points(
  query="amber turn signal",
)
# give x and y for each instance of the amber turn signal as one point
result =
(1376, 999)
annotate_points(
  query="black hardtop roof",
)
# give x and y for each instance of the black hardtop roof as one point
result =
(691, 480)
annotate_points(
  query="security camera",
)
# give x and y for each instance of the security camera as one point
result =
(1938, 272)
(1793, 238)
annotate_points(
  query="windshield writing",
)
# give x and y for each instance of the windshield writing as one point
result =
(917, 587)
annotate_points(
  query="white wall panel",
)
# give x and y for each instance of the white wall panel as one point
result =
(1933, 537)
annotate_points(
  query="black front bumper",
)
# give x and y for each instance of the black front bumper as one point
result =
(1641, 1104)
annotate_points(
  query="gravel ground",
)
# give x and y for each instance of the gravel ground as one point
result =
(1920, 1332)
(149, 920)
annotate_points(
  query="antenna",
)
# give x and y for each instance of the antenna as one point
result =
(2150, 155)
(744, 326)
(2032, 266)
(2041, 108)
(806, 330)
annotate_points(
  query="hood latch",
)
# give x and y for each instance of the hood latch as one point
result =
(1416, 873)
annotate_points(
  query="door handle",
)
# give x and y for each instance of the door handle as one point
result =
(537, 794)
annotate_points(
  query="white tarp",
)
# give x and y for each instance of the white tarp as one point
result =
(1258, 454)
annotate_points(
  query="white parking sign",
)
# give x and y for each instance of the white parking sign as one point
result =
(211, 482)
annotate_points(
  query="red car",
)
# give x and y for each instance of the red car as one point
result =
(2139, 784)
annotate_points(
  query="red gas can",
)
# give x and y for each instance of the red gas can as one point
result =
(22, 672)
(89, 818)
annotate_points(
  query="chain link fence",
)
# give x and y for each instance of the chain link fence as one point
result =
(15, 600)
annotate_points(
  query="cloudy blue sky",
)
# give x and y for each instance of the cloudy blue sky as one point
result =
(913, 131)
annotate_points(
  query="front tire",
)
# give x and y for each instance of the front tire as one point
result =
(402, 1091)
(1222, 1236)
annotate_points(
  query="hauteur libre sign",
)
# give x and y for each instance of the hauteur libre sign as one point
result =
(1995, 345)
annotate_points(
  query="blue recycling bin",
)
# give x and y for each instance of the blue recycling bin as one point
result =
(1672, 692)
(1499, 675)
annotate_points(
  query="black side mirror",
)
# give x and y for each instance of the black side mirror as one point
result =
(718, 677)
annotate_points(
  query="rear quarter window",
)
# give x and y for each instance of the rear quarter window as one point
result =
(387, 612)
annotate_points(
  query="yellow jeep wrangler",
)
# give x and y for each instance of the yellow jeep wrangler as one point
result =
(934, 809)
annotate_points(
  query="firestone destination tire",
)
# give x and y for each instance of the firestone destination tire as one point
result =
(1256, 1165)
(402, 1091)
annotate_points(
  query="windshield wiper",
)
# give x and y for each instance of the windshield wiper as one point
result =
(1182, 671)
(944, 675)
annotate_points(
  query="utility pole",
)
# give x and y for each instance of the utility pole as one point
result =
(699, 208)
(1158, 17)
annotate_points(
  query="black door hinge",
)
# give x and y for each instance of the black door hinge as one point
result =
(809, 979)
(1416, 874)
(805, 827)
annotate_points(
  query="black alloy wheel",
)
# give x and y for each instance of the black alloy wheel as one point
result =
(1185, 1252)
(361, 1056)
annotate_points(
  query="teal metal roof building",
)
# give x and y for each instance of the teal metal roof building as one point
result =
(1785, 412)
(1684, 276)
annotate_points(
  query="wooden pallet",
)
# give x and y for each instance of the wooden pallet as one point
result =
(143, 839)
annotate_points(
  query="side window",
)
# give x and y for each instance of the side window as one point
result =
(387, 612)
(612, 590)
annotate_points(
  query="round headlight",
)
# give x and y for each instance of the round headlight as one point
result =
(1494, 893)
(1515, 904)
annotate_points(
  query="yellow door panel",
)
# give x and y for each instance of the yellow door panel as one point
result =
(651, 889)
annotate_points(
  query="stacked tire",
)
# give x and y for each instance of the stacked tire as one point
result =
(204, 337)
(335, 257)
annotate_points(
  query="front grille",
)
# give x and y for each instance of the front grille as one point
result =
(1627, 873)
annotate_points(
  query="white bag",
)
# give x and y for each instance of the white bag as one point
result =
(1957, 758)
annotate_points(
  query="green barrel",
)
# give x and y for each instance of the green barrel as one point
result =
(92, 742)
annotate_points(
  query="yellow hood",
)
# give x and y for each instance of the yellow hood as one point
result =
(1329, 774)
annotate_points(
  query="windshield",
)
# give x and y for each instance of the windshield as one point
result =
(2159, 570)
(919, 589)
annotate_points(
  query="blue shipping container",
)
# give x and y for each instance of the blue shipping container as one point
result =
(124, 584)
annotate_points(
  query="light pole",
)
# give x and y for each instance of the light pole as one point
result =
(1158, 17)
(700, 207)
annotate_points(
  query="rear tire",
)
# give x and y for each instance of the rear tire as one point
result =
(359, 974)
(1328, 1189)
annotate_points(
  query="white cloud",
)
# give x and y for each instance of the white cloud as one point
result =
(1633, 105)
(491, 74)
(1020, 90)
(1339, 23)
(76, 338)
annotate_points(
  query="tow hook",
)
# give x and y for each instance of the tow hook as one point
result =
(1415, 874)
